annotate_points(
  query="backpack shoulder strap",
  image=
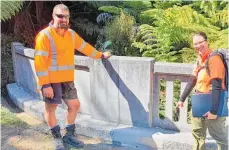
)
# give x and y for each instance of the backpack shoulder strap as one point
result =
(216, 52)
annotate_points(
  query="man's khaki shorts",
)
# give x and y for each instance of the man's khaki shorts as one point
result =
(63, 90)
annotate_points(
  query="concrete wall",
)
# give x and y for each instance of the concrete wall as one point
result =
(121, 90)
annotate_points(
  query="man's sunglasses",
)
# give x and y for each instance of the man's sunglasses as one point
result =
(62, 16)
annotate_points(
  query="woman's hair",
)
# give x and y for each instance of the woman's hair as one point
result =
(201, 34)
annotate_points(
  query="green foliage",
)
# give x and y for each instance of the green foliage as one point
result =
(7, 74)
(85, 26)
(164, 4)
(216, 11)
(98, 4)
(111, 9)
(135, 7)
(8, 118)
(220, 19)
(132, 8)
(149, 16)
(176, 96)
(122, 28)
(173, 29)
(177, 23)
(220, 40)
(162, 101)
(144, 40)
(211, 7)
(119, 32)
(188, 55)
(9, 9)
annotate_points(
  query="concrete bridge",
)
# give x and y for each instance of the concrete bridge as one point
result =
(119, 99)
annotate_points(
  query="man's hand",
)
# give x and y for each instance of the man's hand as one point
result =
(48, 92)
(180, 104)
(210, 115)
(107, 54)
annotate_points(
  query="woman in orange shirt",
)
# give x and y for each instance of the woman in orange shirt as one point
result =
(204, 82)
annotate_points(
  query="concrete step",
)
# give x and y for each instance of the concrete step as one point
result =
(118, 134)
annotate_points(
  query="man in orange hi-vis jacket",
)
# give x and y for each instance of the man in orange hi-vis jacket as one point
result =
(54, 64)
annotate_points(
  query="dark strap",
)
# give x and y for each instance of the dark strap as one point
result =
(216, 95)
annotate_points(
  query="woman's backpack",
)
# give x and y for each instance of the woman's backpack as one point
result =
(224, 55)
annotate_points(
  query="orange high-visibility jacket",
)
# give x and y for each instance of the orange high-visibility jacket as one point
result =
(54, 55)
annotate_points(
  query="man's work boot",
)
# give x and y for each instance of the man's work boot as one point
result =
(57, 138)
(70, 140)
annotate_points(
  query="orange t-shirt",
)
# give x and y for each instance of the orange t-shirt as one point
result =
(217, 70)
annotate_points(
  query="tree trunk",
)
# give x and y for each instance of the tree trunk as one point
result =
(24, 27)
(39, 13)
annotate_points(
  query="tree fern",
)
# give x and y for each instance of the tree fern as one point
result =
(9, 9)
(220, 19)
(149, 16)
(140, 46)
(143, 30)
(144, 39)
(172, 30)
(131, 12)
(167, 28)
(209, 7)
(98, 4)
(164, 4)
(111, 9)
(188, 55)
(220, 41)
(132, 8)
(177, 23)
(147, 43)
(135, 7)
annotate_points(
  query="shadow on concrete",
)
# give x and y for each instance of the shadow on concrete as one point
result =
(137, 136)
(136, 108)
(8, 103)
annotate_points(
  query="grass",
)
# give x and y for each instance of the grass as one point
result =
(8, 118)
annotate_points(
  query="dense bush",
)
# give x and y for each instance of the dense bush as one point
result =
(7, 74)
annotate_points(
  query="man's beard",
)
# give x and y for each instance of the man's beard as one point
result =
(63, 25)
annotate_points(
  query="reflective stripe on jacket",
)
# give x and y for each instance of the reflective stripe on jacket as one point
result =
(54, 55)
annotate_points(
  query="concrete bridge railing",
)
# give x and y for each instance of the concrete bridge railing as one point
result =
(122, 90)
(120, 98)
